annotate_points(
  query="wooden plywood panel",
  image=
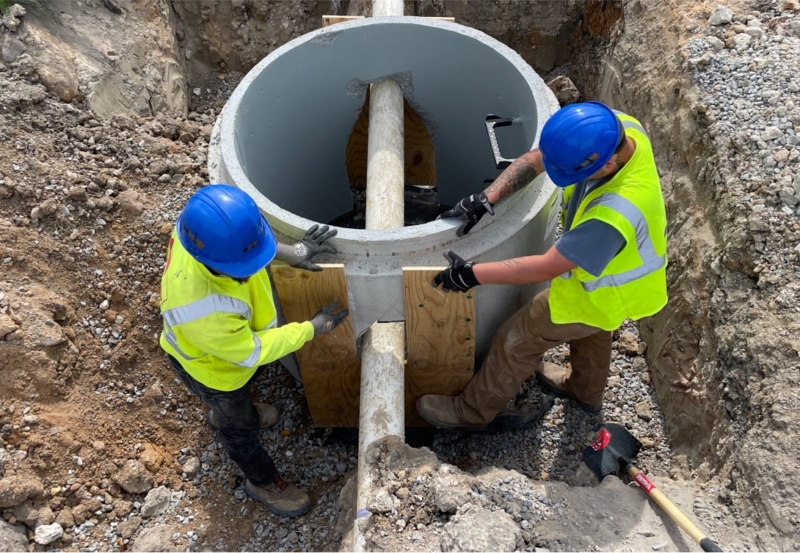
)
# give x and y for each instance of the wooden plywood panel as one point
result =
(331, 19)
(355, 152)
(329, 364)
(420, 162)
(440, 335)
(420, 156)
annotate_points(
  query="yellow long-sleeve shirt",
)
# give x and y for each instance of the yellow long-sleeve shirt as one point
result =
(219, 329)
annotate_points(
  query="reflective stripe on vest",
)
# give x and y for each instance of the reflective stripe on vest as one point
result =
(214, 303)
(169, 336)
(651, 261)
(204, 307)
(630, 124)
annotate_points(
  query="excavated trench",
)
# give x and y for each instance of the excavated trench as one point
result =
(696, 372)
(574, 38)
(721, 359)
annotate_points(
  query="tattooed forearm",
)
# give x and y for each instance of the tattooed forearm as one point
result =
(522, 171)
(512, 263)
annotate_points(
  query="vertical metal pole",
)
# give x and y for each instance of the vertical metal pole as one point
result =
(387, 7)
(382, 399)
(385, 157)
(382, 403)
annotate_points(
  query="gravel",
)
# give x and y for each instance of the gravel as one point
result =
(553, 449)
(746, 71)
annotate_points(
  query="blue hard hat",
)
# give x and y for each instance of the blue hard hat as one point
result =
(222, 228)
(578, 140)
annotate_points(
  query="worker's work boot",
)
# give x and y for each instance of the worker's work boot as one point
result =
(552, 377)
(267, 413)
(280, 497)
(441, 412)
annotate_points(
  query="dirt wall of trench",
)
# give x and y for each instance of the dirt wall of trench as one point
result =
(125, 63)
(236, 34)
(724, 352)
(724, 365)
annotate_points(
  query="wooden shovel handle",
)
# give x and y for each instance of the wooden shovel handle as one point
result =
(672, 510)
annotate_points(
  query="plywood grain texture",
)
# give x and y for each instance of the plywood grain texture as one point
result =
(419, 154)
(332, 19)
(329, 363)
(440, 338)
(440, 342)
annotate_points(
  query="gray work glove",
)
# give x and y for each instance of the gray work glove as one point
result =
(472, 207)
(301, 253)
(326, 320)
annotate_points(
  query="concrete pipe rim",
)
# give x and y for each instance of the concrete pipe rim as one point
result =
(291, 225)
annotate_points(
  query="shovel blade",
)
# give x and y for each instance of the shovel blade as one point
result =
(612, 450)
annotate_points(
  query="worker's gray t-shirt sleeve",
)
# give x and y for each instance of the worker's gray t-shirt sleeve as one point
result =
(591, 245)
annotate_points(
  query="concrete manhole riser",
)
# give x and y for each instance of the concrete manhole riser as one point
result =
(282, 135)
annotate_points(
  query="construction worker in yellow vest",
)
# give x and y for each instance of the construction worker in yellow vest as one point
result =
(220, 324)
(609, 265)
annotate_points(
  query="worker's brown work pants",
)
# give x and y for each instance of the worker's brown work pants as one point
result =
(516, 354)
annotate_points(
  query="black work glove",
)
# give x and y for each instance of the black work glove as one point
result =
(326, 320)
(458, 276)
(472, 207)
(310, 246)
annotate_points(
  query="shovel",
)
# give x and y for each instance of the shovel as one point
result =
(613, 450)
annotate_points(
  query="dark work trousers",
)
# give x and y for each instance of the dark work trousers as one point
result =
(240, 425)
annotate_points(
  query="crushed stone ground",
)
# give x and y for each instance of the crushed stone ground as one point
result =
(86, 208)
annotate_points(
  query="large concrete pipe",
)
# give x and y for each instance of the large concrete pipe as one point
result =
(282, 137)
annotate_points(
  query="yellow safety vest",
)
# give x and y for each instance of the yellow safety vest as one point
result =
(221, 330)
(634, 284)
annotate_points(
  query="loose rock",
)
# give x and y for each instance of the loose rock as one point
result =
(15, 491)
(12, 537)
(722, 15)
(48, 533)
(565, 90)
(478, 529)
(134, 477)
(156, 502)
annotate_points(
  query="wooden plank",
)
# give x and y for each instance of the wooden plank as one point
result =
(419, 153)
(420, 157)
(329, 363)
(440, 337)
(331, 19)
(355, 151)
